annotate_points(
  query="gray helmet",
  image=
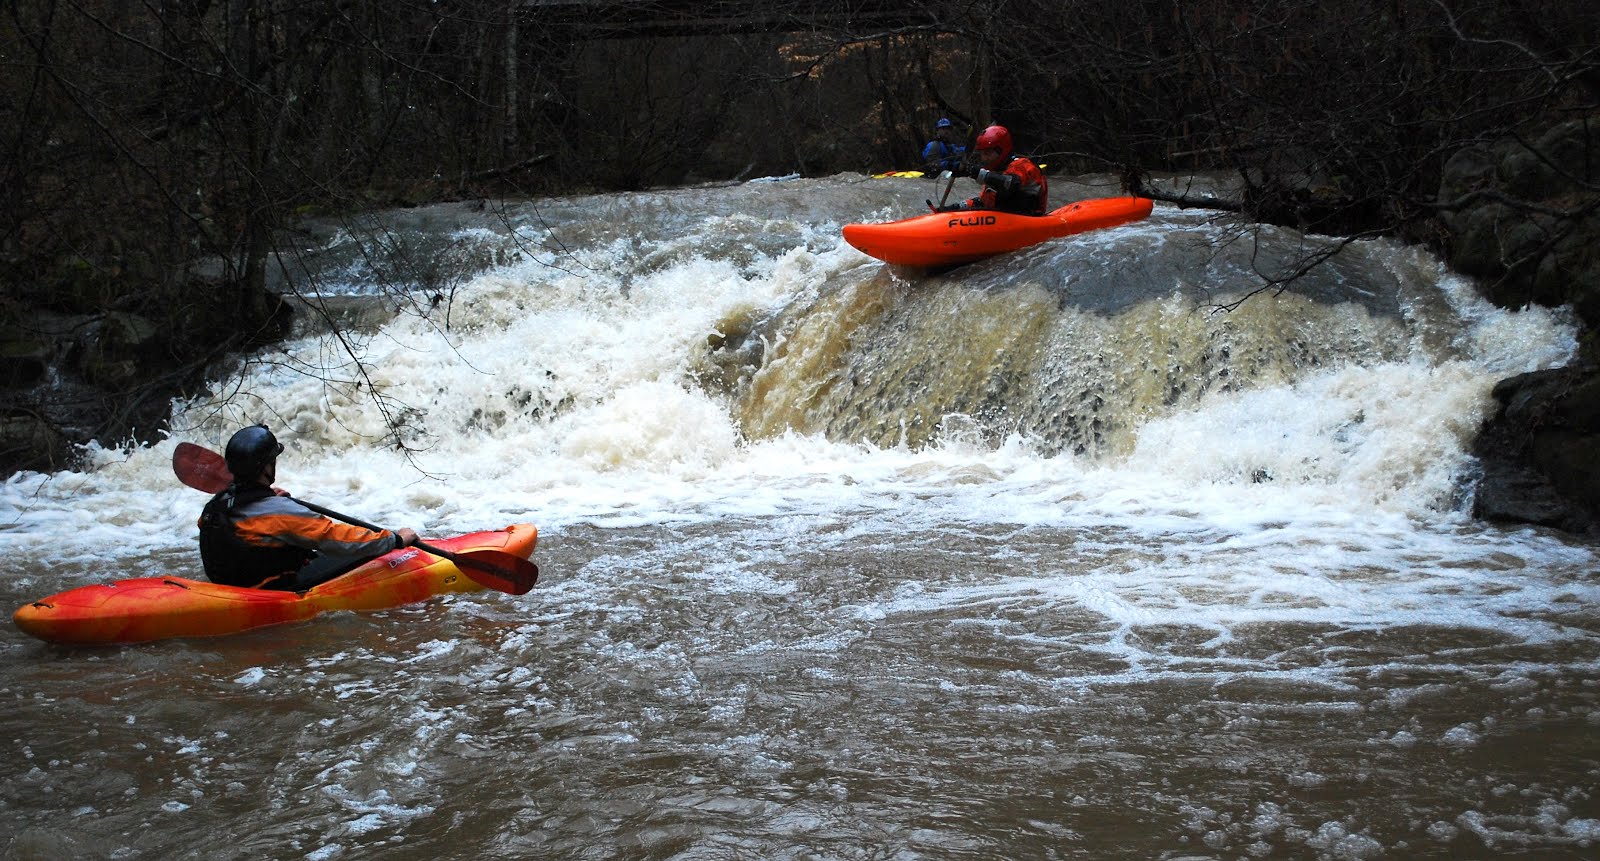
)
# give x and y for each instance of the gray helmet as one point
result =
(250, 450)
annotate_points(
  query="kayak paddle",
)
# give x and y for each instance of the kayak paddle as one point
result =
(950, 181)
(944, 174)
(966, 162)
(204, 469)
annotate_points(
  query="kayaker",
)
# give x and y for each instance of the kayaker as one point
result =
(1010, 183)
(253, 534)
(942, 153)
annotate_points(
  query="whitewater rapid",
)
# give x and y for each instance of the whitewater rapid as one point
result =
(1041, 557)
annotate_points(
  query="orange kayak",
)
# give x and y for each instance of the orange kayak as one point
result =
(159, 608)
(948, 238)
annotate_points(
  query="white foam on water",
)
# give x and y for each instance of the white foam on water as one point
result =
(571, 399)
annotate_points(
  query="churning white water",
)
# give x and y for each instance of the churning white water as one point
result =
(1042, 557)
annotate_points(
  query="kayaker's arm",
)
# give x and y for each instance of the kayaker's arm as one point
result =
(1010, 190)
(1000, 181)
(282, 520)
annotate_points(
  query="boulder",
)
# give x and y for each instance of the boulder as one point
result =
(117, 349)
(1511, 238)
(1533, 237)
(1540, 451)
(24, 359)
(29, 442)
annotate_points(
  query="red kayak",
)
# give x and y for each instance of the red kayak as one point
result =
(158, 608)
(949, 238)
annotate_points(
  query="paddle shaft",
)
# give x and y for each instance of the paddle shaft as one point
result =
(356, 521)
(495, 569)
(947, 186)
(972, 141)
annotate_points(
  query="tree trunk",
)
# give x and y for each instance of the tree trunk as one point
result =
(508, 134)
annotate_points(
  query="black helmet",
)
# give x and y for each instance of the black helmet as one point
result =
(250, 450)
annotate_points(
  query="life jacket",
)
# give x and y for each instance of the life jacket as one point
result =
(227, 558)
(1030, 196)
(943, 154)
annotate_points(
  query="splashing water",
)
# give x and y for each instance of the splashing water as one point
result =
(1041, 557)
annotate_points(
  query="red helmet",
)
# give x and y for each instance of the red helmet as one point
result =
(997, 138)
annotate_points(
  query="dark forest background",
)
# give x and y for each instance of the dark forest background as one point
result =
(138, 137)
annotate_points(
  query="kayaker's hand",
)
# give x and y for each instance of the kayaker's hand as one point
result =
(407, 536)
(954, 207)
(997, 180)
(280, 491)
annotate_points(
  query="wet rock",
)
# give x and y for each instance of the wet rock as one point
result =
(29, 442)
(24, 359)
(1541, 451)
(1522, 219)
(69, 376)
(117, 349)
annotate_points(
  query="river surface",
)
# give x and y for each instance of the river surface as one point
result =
(1044, 557)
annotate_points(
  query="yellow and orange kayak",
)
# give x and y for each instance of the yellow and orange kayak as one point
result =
(949, 238)
(159, 608)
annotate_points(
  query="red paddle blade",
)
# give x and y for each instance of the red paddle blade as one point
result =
(201, 468)
(498, 570)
